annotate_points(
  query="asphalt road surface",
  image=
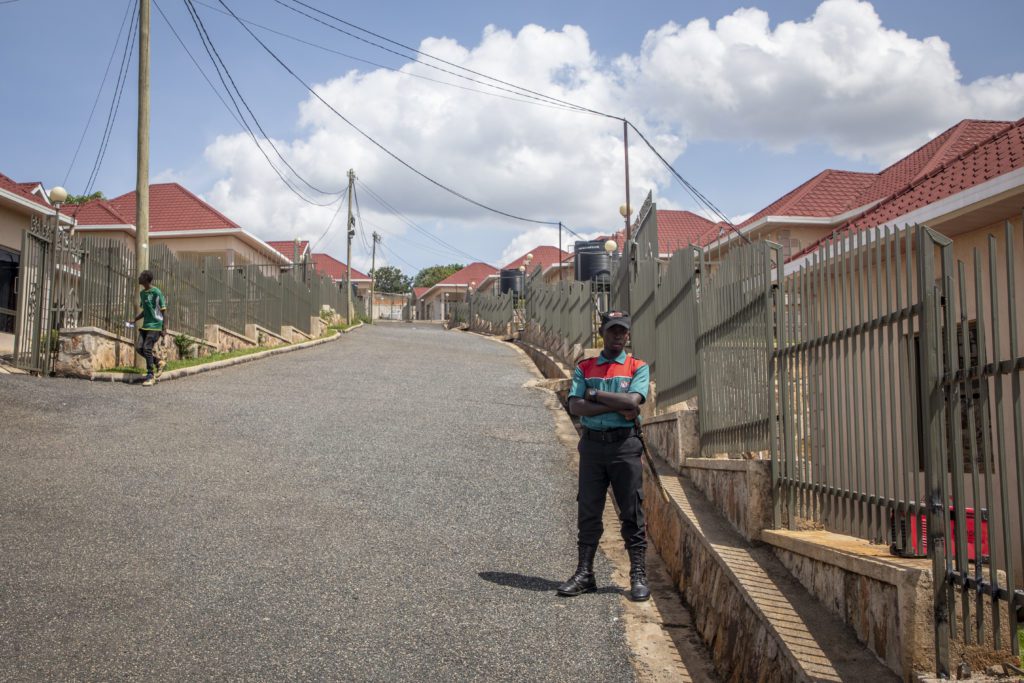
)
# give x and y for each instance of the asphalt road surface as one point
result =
(390, 506)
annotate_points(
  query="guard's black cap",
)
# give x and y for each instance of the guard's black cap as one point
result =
(616, 318)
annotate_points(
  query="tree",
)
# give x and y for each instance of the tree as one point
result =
(390, 279)
(431, 275)
(83, 198)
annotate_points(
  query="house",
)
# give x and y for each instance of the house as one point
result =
(19, 204)
(296, 251)
(432, 304)
(678, 229)
(181, 221)
(552, 261)
(830, 199)
(325, 264)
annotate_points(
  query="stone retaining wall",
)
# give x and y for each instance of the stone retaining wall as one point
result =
(224, 339)
(741, 490)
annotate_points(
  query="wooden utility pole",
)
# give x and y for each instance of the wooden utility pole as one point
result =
(142, 155)
(626, 245)
(373, 272)
(348, 257)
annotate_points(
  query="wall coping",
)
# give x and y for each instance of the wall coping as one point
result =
(296, 330)
(664, 417)
(728, 465)
(269, 333)
(94, 330)
(850, 554)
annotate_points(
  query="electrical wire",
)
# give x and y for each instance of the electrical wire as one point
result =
(382, 66)
(522, 92)
(99, 92)
(334, 217)
(374, 141)
(115, 101)
(415, 226)
(223, 72)
(388, 250)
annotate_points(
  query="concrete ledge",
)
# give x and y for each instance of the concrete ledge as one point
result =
(549, 366)
(294, 334)
(129, 378)
(758, 622)
(254, 332)
(227, 340)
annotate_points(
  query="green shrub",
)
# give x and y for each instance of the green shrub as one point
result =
(184, 344)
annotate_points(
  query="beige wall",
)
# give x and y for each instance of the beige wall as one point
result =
(229, 247)
(12, 224)
(125, 238)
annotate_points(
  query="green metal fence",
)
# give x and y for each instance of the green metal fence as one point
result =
(495, 309)
(676, 326)
(564, 311)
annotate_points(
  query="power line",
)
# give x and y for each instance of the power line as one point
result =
(341, 204)
(411, 223)
(384, 66)
(99, 92)
(374, 141)
(222, 71)
(392, 253)
(115, 101)
(521, 89)
(521, 92)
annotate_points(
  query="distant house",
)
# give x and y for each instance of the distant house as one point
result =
(296, 251)
(19, 202)
(552, 262)
(181, 221)
(433, 303)
(678, 229)
(325, 264)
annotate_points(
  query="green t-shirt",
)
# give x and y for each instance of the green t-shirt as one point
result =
(153, 305)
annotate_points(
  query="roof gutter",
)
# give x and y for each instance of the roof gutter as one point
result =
(34, 206)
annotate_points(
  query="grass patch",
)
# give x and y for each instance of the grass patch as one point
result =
(341, 327)
(189, 362)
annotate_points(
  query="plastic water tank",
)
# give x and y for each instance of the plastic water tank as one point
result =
(511, 280)
(592, 261)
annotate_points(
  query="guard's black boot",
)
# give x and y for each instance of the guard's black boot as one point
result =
(638, 589)
(583, 580)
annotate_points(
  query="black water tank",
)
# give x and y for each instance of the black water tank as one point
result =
(592, 261)
(511, 280)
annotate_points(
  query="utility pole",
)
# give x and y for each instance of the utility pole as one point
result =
(626, 245)
(560, 261)
(142, 149)
(348, 257)
(142, 154)
(373, 271)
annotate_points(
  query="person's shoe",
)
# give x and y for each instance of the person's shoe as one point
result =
(583, 580)
(638, 590)
(160, 365)
(149, 381)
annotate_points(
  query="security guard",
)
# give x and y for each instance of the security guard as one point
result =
(606, 395)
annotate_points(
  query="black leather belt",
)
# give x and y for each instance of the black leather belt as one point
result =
(608, 435)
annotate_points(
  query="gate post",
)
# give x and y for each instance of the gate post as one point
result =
(932, 405)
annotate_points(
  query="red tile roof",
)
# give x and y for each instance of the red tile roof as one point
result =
(287, 247)
(23, 190)
(677, 229)
(172, 207)
(333, 268)
(543, 256)
(97, 212)
(832, 193)
(994, 156)
(420, 291)
(474, 272)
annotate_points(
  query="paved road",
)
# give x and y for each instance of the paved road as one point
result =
(390, 506)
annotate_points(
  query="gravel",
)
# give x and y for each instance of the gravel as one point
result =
(391, 506)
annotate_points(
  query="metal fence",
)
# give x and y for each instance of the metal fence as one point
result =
(898, 373)
(734, 347)
(72, 281)
(564, 311)
(676, 326)
(495, 309)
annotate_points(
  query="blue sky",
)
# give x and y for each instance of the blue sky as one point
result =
(701, 92)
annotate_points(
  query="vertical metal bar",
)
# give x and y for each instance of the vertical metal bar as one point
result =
(892, 349)
(876, 415)
(931, 406)
(1018, 427)
(969, 369)
(953, 391)
(832, 313)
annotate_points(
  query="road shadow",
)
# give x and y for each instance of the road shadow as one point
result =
(536, 584)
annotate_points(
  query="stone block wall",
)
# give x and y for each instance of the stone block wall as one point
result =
(224, 339)
(741, 490)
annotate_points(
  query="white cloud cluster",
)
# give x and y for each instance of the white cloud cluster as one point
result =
(840, 78)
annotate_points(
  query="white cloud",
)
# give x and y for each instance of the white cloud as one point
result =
(839, 78)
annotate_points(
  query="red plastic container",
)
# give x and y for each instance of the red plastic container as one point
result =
(915, 538)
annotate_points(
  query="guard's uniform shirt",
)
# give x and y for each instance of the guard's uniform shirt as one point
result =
(614, 462)
(623, 374)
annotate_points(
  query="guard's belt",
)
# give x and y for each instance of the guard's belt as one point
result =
(608, 435)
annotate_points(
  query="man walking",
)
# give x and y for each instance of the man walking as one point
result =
(606, 395)
(154, 326)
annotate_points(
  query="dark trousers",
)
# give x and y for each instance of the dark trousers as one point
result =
(618, 464)
(147, 340)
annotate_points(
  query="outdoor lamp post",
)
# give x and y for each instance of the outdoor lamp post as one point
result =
(58, 195)
(444, 310)
(609, 247)
(469, 301)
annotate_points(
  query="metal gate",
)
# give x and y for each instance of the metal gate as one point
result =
(51, 266)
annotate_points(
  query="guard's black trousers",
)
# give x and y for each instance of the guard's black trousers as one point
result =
(618, 464)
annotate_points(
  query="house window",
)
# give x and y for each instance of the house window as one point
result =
(9, 262)
(789, 244)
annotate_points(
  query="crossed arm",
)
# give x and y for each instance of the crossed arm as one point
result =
(628, 404)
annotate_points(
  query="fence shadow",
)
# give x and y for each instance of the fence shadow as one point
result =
(536, 584)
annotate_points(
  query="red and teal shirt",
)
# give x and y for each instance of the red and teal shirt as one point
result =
(622, 374)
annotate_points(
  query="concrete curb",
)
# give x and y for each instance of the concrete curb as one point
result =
(130, 378)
